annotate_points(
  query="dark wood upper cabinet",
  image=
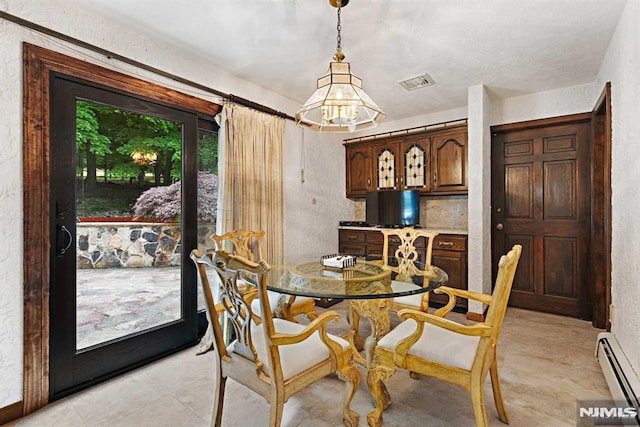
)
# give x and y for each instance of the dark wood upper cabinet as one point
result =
(433, 162)
(359, 172)
(450, 162)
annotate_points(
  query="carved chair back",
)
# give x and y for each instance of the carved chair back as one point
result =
(246, 243)
(406, 253)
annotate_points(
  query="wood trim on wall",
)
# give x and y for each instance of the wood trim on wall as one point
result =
(38, 63)
(551, 121)
(11, 412)
(601, 210)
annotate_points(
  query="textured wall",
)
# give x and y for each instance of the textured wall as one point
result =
(444, 212)
(314, 207)
(558, 102)
(620, 67)
(479, 176)
(11, 212)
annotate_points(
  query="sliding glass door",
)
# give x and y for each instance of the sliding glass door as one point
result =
(124, 174)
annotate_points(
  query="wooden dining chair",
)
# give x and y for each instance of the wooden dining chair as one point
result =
(405, 256)
(273, 357)
(402, 262)
(429, 344)
(248, 244)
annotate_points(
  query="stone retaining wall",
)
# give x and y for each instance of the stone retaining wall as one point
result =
(134, 244)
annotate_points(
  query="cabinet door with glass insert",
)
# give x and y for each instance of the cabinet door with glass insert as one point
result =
(416, 164)
(388, 165)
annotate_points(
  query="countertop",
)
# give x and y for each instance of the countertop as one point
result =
(439, 230)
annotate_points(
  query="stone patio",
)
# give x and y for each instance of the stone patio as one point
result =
(115, 302)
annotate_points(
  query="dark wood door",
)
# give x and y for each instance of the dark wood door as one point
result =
(541, 200)
(74, 365)
(359, 173)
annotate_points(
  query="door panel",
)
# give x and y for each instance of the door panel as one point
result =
(541, 200)
(561, 279)
(523, 280)
(74, 363)
(519, 195)
(559, 190)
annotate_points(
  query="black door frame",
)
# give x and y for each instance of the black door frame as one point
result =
(70, 369)
(37, 65)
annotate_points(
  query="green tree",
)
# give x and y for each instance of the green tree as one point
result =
(151, 135)
(90, 143)
(208, 151)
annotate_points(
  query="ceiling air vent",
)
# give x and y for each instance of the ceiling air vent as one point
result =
(417, 82)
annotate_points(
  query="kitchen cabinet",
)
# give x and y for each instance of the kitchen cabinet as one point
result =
(433, 162)
(449, 152)
(449, 253)
(353, 242)
(402, 164)
(359, 163)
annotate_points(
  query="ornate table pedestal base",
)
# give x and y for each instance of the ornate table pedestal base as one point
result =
(377, 311)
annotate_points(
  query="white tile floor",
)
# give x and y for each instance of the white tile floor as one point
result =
(546, 363)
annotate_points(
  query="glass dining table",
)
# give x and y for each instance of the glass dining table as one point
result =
(369, 287)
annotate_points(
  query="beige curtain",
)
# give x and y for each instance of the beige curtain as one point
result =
(252, 192)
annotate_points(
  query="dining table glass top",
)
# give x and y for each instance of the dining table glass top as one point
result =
(364, 280)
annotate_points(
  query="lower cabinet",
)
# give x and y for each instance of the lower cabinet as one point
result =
(449, 253)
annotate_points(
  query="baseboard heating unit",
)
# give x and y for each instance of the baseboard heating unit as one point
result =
(621, 379)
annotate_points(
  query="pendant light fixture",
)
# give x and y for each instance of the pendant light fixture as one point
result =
(339, 104)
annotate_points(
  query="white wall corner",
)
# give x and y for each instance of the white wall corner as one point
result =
(479, 180)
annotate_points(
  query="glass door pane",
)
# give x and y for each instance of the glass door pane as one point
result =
(122, 190)
(128, 223)
(207, 190)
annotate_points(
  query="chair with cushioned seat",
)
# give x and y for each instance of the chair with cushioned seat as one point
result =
(248, 244)
(429, 344)
(274, 357)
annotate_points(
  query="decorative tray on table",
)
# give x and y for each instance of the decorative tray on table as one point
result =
(338, 261)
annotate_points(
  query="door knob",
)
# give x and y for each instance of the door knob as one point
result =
(499, 226)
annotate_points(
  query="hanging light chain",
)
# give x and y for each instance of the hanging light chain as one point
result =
(339, 27)
(339, 56)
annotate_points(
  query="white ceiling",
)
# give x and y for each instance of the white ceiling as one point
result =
(513, 47)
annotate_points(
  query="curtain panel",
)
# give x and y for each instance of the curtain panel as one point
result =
(252, 190)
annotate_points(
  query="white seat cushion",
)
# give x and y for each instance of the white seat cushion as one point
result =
(414, 300)
(273, 302)
(294, 358)
(437, 344)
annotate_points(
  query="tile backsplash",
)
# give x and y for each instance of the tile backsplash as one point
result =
(448, 212)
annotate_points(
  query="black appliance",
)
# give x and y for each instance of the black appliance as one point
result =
(399, 208)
